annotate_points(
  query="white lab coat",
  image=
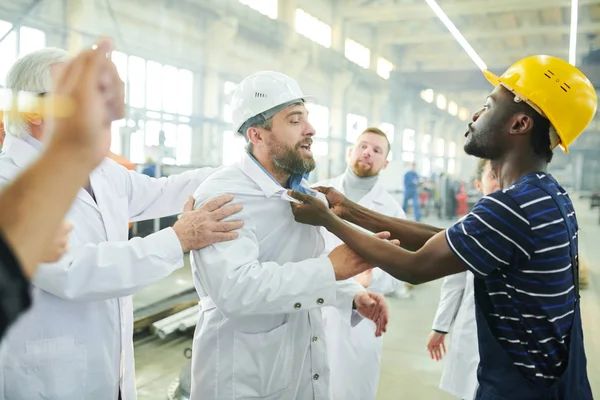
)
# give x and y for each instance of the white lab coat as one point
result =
(260, 332)
(355, 352)
(76, 341)
(456, 312)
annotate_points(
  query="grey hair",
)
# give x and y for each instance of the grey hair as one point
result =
(31, 73)
(266, 125)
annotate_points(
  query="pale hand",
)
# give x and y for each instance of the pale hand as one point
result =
(365, 278)
(93, 86)
(59, 245)
(199, 228)
(436, 345)
(373, 306)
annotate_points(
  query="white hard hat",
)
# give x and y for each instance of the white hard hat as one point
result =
(262, 92)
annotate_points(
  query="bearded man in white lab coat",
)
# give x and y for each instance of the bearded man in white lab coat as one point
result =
(355, 352)
(260, 333)
(76, 341)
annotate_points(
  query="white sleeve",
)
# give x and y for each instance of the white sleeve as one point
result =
(92, 272)
(240, 285)
(151, 198)
(451, 295)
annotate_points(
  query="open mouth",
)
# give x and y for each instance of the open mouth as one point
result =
(305, 148)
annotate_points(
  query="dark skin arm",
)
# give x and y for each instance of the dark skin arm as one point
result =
(412, 235)
(432, 261)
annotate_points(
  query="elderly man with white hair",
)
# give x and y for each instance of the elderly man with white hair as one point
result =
(76, 341)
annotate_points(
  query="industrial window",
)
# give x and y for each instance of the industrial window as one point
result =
(318, 116)
(30, 40)
(357, 53)
(408, 140)
(233, 147)
(388, 129)
(137, 81)
(137, 148)
(427, 95)
(171, 91)
(154, 85)
(229, 87)
(441, 102)
(439, 147)
(451, 166)
(185, 92)
(320, 147)
(265, 7)
(384, 68)
(452, 108)
(408, 156)
(313, 28)
(115, 136)
(439, 164)
(355, 125)
(452, 149)
(425, 144)
(425, 167)
(8, 50)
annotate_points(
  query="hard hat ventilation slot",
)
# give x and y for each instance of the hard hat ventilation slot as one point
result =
(565, 90)
(259, 95)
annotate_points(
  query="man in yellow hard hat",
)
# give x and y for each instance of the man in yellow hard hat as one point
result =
(520, 242)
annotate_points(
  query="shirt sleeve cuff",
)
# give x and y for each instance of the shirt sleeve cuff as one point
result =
(166, 245)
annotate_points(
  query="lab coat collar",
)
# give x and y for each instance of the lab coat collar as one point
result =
(267, 184)
(23, 153)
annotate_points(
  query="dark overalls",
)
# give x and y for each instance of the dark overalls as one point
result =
(500, 379)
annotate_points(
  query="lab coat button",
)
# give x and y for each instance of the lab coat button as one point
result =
(320, 301)
(315, 338)
(316, 377)
(297, 306)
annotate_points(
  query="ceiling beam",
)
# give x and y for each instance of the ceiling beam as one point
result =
(473, 34)
(421, 11)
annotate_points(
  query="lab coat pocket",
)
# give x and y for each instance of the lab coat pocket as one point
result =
(262, 364)
(46, 376)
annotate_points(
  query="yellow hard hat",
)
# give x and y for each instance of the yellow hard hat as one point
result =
(556, 89)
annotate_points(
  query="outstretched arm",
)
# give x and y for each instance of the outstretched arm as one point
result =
(412, 235)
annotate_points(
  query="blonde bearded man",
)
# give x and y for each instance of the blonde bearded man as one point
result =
(355, 352)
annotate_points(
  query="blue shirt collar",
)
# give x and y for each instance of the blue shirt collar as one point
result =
(293, 182)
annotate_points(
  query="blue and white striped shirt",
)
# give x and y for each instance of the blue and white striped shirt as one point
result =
(516, 240)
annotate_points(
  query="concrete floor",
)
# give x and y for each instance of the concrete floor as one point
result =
(407, 372)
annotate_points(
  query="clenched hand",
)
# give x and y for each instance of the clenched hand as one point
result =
(202, 227)
(374, 307)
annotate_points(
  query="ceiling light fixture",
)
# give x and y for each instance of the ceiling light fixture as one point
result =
(456, 33)
(573, 38)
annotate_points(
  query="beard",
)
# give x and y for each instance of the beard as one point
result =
(363, 171)
(482, 144)
(289, 159)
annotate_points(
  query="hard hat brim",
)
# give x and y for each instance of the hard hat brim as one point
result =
(491, 77)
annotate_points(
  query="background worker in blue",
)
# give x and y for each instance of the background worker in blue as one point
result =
(520, 242)
(411, 191)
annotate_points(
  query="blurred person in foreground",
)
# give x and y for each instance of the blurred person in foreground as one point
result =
(31, 227)
(76, 341)
(520, 242)
(456, 312)
(355, 352)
